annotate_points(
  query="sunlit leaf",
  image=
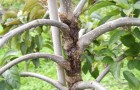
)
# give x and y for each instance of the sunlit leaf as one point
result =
(137, 5)
(14, 22)
(134, 83)
(106, 51)
(12, 77)
(9, 14)
(115, 69)
(29, 5)
(115, 36)
(4, 85)
(100, 5)
(109, 15)
(122, 3)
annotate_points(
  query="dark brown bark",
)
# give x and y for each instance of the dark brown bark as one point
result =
(71, 47)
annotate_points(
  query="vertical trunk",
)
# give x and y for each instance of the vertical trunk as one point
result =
(70, 43)
(52, 5)
(73, 51)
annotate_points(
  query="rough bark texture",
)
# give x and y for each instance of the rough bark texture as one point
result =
(72, 50)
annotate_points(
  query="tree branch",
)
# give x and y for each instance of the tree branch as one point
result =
(88, 85)
(53, 12)
(66, 8)
(106, 70)
(86, 39)
(44, 78)
(58, 59)
(64, 28)
(77, 11)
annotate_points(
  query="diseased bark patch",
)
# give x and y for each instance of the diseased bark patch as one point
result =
(72, 50)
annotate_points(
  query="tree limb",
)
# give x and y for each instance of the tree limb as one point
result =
(58, 59)
(53, 12)
(86, 39)
(39, 22)
(88, 85)
(44, 78)
(77, 11)
(66, 8)
(106, 70)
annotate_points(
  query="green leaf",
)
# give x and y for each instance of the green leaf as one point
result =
(107, 60)
(132, 80)
(138, 65)
(109, 15)
(106, 51)
(12, 77)
(86, 67)
(115, 36)
(36, 62)
(136, 12)
(100, 5)
(30, 4)
(136, 32)
(131, 64)
(89, 58)
(122, 3)
(133, 50)
(38, 41)
(137, 5)
(115, 69)
(8, 14)
(94, 73)
(10, 53)
(4, 85)
(8, 56)
(27, 38)
(23, 48)
(103, 20)
(128, 11)
(128, 40)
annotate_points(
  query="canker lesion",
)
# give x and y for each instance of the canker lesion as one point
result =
(72, 50)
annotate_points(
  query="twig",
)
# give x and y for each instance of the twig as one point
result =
(87, 85)
(58, 59)
(86, 39)
(46, 14)
(44, 78)
(81, 32)
(39, 22)
(106, 70)
(77, 11)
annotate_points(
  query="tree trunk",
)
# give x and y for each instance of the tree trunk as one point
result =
(72, 50)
